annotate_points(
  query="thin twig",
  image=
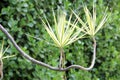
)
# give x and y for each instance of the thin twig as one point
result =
(44, 64)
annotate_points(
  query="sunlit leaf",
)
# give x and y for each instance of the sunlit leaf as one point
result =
(64, 32)
(90, 26)
(3, 52)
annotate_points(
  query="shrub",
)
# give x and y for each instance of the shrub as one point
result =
(20, 17)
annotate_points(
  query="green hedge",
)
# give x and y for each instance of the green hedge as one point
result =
(21, 17)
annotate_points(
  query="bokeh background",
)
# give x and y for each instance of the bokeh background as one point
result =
(22, 18)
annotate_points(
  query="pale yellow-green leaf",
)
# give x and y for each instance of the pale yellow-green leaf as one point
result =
(8, 56)
(64, 32)
(3, 52)
(101, 23)
(90, 26)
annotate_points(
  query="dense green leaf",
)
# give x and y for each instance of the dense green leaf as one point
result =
(21, 17)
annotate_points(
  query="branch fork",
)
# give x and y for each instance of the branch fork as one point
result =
(44, 64)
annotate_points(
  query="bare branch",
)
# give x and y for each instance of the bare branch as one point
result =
(44, 64)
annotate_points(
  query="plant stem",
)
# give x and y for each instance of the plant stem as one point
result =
(62, 63)
(62, 56)
(1, 70)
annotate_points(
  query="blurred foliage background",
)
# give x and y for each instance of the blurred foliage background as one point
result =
(21, 17)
